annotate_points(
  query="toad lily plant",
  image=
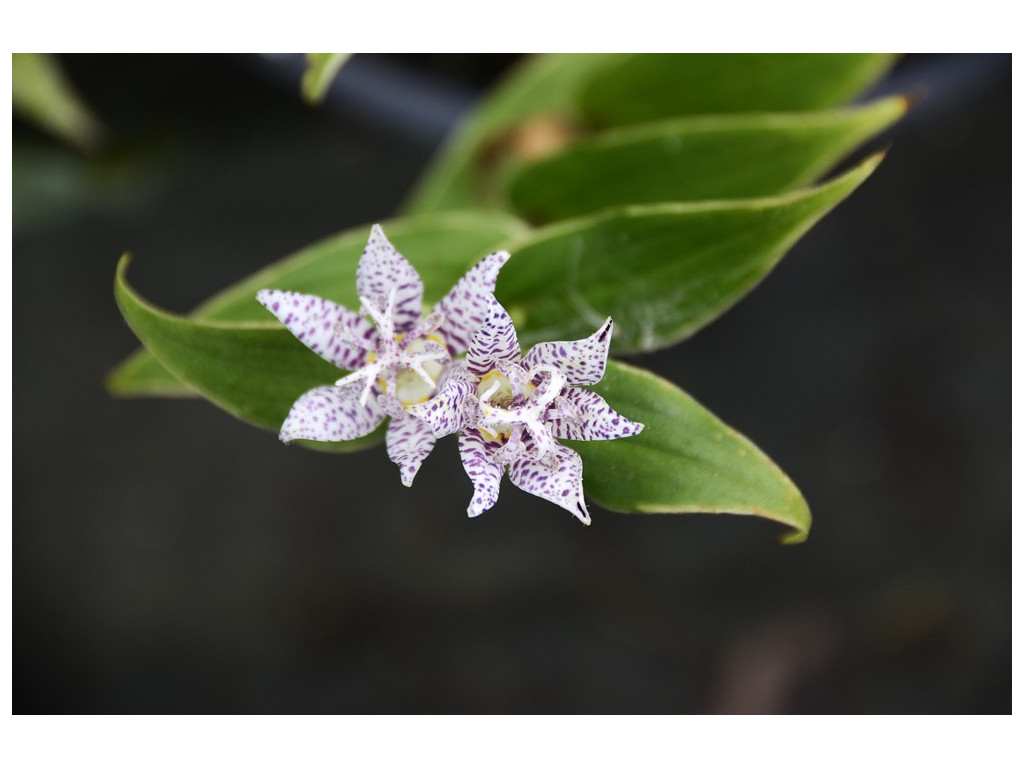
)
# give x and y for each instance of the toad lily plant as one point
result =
(395, 361)
(666, 200)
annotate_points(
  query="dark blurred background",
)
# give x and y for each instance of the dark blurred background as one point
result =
(168, 558)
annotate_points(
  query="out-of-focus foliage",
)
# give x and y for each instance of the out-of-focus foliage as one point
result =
(320, 73)
(41, 94)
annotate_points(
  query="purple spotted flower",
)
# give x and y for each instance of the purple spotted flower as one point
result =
(509, 410)
(396, 357)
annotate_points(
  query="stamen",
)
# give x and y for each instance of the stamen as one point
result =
(495, 386)
(368, 372)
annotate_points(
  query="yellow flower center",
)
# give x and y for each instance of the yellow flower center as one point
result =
(496, 398)
(410, 388)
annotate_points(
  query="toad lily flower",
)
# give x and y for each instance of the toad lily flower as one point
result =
(395, 360)
(509, 409)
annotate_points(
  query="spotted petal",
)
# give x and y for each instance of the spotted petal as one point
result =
(331, 413)
(465, 306)
(586, 416)
(443, 413)
(484, 471)
(558, 477)
(409, 442)
(494, 341)
(581, 362)
(382, 268)
(322, 326)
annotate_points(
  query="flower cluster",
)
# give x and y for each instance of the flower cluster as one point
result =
(507, 409)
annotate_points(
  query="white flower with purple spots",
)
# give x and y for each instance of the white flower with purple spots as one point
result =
(395, 361)
(509, 410)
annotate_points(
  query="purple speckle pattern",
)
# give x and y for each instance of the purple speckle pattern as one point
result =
(444, 413)
(592, 418)
(465, 307)
(382, 268)
(409, 442)
(558, 477)
(317, 322)
(484, 471)
(494, 341)
(581, 362)
(330, 414)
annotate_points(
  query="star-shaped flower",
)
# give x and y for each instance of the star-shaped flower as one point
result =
(395, 361)
(510, 409)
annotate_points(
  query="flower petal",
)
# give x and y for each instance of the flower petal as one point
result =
(558, 477)
(485, 473)
(581, 362)
(382, 268)
(591, 418)
(495, 340)
(444, 413)
(322, 325)
(465, 306)
(330, 414)
(409, 442)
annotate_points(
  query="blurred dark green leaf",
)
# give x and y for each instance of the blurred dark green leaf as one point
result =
(685, 460)
(698, 158)
(441, 247)
(661, 271)
(320, 72)
(634, 88)
(41, 94)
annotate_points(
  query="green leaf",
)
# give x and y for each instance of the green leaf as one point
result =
(441, 247)
(661, 271)
(652, 86)
(320, 73)
(40, 93)
(696, 158)
(541, 86)
(685, 460)
(253, 370)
